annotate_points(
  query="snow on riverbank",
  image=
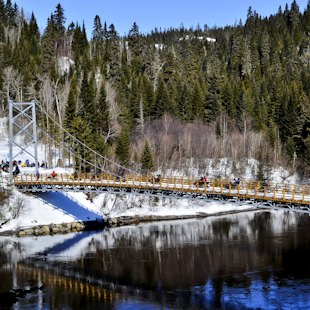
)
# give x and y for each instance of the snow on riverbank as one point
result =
(56, 208)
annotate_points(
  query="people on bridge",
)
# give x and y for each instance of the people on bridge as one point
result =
(38, 175)
(54, 174)
(16, 170)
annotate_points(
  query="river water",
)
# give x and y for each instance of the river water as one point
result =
(253, 260)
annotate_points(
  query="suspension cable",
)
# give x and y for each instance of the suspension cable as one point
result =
(81, 143)
(77, 156)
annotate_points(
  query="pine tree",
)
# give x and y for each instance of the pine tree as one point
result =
(135, 47)
(147, 161)
(197, 103)
(98, 38)
(49, 48)
(82, 132)
(162, 99)
(70, 111)
(147, 95)
(59, 20)
(122, 147)
(102, 112)
(87, 98)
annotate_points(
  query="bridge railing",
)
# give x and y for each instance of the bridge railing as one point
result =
(216, 186)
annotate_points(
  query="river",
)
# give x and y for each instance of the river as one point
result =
(252, 260)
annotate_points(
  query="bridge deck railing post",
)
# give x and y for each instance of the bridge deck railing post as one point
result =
(303, 196)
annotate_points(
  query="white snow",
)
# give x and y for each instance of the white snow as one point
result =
(159, 46)
(187, 37)
(56, 208)
(64, 64)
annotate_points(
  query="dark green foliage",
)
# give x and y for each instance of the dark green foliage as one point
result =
(79, 43)
(71, 105)
(59, 19)
(122, 147)
(147, 161)
(135, 47)
(48, 46)
(256, 74)
(102, 115)
(162, 99)
(82, 132)
(87, 99)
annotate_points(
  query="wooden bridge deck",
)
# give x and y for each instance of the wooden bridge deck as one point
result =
(168, 186)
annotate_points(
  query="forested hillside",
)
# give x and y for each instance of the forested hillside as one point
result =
(170, 96)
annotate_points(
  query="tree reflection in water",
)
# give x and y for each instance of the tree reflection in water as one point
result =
(245, 260)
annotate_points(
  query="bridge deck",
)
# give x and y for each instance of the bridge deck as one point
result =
(167, 186)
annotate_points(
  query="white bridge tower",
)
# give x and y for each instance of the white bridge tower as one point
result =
(22, 126)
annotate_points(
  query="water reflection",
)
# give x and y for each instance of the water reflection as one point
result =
(249, 260)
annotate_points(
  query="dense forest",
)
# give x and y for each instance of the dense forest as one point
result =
(171, 96)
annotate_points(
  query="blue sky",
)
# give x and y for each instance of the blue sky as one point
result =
(150, 14)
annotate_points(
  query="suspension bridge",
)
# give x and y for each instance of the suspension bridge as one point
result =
(107, 176)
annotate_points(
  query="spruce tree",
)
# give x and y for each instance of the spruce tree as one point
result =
(147, 161)
(70, 111)
(102, 112)
(162, 99)
(122, 147)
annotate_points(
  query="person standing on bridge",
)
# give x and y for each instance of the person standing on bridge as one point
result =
(54, 174)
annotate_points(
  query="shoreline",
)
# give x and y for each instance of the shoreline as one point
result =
(111, 222)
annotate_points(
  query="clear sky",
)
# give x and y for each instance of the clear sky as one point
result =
(150, 14)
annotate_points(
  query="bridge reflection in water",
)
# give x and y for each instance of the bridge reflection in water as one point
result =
(293, 197)
(194, 264)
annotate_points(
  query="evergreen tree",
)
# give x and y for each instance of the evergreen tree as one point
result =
(87, 99)
(197, 103)
(147, 161)
(49, 48)
(59, 20)
(98, 38)
(135, 46)
(102, 113)
(70, 112)
(162, 99)
(122, 147)
(82, 132)
(97, 30)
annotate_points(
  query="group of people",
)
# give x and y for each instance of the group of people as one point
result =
(236, 181)
(28, 164)
(5, 165)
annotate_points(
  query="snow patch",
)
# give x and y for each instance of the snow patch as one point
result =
(64, 64)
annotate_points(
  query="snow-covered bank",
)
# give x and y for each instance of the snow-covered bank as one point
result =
(22, 211)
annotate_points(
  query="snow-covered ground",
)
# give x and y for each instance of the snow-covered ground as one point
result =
(56, 208)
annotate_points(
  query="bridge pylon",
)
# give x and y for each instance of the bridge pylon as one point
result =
(22, 127)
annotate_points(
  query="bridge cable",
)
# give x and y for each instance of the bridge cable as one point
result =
(83, 144)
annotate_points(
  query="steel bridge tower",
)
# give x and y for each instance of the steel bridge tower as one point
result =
(22, 126)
